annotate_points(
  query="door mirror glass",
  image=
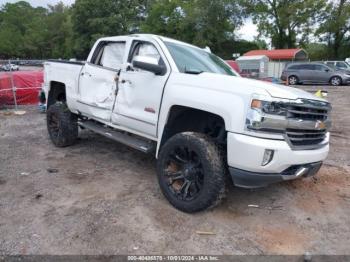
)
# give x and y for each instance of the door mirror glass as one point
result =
(149, 64)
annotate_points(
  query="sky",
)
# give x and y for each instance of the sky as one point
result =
(247, 32)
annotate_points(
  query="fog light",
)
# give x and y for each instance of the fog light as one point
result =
(268, 155)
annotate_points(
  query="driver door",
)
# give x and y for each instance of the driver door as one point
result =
(140, 92)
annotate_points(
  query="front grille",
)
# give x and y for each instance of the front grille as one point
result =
(311, 111)
(306, 113)
(301, 137)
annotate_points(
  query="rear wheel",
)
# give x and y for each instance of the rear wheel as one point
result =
(336, 81)
(293, 80)
(191, 172)
(62, 125)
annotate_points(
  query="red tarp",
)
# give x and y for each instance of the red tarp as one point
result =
(27, 83)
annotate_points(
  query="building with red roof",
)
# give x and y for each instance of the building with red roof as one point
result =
(280, 54)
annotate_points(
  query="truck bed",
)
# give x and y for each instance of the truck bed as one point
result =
(65, 72)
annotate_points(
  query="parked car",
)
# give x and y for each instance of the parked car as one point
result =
(341, 65)
(303, 73)
(189, 109)
(10, 67)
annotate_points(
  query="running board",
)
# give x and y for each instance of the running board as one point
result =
(143, 145)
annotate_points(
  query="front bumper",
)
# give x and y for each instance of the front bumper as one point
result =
(346, 80)
(248, 179)
(245, 154)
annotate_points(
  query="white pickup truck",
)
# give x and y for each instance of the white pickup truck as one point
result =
(202, 120)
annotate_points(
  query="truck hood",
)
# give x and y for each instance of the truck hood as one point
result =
(260, 87)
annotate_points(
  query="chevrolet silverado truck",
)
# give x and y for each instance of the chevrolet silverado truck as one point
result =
(202, 121)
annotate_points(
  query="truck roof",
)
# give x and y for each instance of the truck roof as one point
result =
(150, 36)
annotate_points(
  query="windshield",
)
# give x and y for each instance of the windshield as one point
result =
(193, 60)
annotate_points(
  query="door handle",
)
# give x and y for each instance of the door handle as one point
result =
(123, 81)
(86, 73)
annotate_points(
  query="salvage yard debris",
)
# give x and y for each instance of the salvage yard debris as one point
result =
(13, 112)
(205, 233)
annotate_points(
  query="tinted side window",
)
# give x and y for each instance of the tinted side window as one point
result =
(294, 67)
(320, 68)
(308, 67)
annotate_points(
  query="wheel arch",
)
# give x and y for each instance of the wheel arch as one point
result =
(184, 118)
(333, 76)
(57, 92)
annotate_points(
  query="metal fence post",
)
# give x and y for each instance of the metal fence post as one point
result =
(13, 85)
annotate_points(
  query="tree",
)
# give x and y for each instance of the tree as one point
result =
(15, 19)
(200, 22)
(284, 20)
(94, 19)
(334, 27)
(59, 31)
(28, 32)
(316, 51)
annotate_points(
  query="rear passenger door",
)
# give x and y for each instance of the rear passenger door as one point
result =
(97, 82)
(306, 73)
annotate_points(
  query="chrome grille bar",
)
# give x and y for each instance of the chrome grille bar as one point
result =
(308, 122)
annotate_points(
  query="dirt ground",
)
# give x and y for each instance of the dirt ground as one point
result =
(100, 197)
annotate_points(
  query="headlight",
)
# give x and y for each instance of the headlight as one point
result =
(270, 108)
(262, 110)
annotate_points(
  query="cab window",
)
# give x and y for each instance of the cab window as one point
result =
(109, 55)
(145, 49)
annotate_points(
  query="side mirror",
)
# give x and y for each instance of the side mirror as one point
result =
(148, 64)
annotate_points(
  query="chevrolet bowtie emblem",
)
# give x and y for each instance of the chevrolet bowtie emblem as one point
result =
(320, 125)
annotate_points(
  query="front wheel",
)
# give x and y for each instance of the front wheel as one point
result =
(191, 172)
(62, 125)
(335, 81)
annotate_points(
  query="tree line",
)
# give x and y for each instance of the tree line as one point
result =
(322, 27)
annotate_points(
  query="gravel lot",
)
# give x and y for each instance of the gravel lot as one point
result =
(100, 197)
